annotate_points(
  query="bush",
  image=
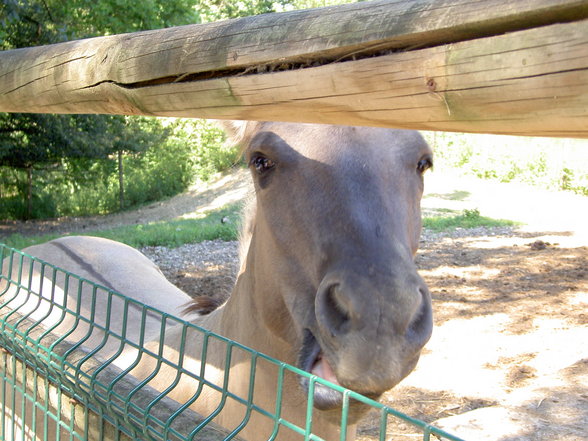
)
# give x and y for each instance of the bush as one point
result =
(186, 150)
(209, 150)
(554, 164)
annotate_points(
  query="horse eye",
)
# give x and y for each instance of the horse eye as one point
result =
(424, 164)
(262, 164)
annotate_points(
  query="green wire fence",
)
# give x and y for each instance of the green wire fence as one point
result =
(57, 383)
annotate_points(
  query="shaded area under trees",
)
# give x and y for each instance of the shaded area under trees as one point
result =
(47, 161)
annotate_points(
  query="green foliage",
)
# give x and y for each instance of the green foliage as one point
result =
(554, 164)
(210, 154)
(105, 17)
(212, 10)
(569, 181)
(171, 234)
(164, 170)
(467, 219)
(160, 159)
(12, 207)
(52, 151)
(28, 140)
(36, 22)
(69, 164)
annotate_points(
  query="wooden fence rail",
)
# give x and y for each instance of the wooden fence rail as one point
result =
(493, 66)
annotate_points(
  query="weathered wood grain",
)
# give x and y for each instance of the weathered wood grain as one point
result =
(437, 64)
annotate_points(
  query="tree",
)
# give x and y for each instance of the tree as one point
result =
(40, 142)
(37, 142)
(212, 10)
(134, 135)
(36, 22)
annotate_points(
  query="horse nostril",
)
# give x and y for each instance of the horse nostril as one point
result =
(333, 310)
(421, 326)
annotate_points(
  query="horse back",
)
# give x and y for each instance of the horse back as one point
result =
(58, 299)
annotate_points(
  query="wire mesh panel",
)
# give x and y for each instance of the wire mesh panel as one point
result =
(81, 361)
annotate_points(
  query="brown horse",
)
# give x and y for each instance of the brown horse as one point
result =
(327, 280)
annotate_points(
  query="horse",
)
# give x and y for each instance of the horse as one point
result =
(327, 281)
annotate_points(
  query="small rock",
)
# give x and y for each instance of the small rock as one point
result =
(538, 245)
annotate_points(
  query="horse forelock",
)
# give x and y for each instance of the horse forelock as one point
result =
(239, 133)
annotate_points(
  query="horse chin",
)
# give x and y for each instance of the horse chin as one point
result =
(311, 359)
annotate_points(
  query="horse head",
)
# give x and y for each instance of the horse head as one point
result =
(331, 251)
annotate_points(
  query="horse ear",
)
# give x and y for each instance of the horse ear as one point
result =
(232, 128)
(238, 132)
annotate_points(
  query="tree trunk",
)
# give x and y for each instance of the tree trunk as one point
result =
(121, 182)
(29, 212)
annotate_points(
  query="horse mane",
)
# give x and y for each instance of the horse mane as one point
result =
(239, 133)
(202, 305)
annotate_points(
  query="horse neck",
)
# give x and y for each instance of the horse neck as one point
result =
(244, 318)
(240, 319)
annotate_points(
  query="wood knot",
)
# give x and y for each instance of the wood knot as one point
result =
(431, 85)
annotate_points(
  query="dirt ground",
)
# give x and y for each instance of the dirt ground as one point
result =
(508, 359)
(509, 356)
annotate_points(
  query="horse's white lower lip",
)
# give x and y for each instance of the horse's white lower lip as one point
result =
(321, 368)
(313, 361)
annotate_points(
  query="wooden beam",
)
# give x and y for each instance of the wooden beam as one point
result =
(477, 66)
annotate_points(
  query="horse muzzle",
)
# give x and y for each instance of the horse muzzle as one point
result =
(367, 335)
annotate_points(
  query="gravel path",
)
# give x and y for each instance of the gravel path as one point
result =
(198, 256)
